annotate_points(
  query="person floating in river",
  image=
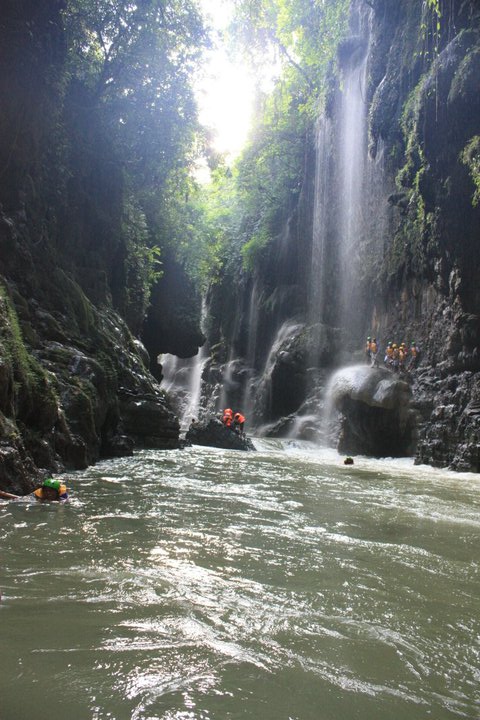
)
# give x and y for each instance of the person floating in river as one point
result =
(50, 491)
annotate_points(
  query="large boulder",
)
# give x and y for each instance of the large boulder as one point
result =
(214, 433)
(374, 405)
(149, 421)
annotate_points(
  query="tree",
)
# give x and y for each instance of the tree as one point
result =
(132, 125)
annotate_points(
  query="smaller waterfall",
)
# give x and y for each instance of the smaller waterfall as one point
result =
(182, 380)
(248, 403)
(264, 391)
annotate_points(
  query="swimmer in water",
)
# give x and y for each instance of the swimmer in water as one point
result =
(50, 491)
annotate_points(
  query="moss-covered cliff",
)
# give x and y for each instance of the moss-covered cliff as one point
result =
(97, 114)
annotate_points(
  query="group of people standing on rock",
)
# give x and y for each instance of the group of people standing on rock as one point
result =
(233, 421)
(397, 357)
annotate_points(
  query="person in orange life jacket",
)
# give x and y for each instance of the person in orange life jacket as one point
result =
(402, 355)
(227, 417)
(239, 422)
(50, 490)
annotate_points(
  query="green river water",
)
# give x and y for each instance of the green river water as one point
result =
(207, 584)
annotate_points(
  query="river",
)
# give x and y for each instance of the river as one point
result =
(210, 585)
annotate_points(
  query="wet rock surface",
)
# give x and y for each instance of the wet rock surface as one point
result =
(448, 407)
(75, 382)
(376, 418)
(214, 433)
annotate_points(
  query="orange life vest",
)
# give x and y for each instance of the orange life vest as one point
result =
(62, 492)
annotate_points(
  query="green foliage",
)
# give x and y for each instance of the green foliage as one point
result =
(253, 248)
(410, 174)
(31, 382)
(227, 226)
(268, 174)
(431, 28)
(12, 341)
(143, 259)
(209, 227)
(471, 158)
(137, 61)
(131, 105)
(301, 34)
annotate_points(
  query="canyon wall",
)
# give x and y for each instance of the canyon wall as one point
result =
(384, 241)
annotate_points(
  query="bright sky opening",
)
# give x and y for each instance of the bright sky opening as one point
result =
(226, 93)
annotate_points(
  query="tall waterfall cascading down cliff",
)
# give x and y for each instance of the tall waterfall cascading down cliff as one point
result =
(351, 184)
(350, 220)
(284, 366)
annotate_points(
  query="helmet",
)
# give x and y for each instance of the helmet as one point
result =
(394, 345)
(236, 416)
(228, 411)
(390, 344)
(413, 343)
(51, 483)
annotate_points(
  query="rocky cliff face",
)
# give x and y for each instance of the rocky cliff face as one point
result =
(75, 383)
(410, 268)
(74, 266)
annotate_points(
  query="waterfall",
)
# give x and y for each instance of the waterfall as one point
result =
(288, 330)
(348, 222)
(319, 265)
(248, 404)
(352, 154)
(306, 318)
(182, 380)
(341, 216)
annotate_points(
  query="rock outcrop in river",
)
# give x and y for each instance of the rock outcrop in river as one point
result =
(214, 433)
(376, 418)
